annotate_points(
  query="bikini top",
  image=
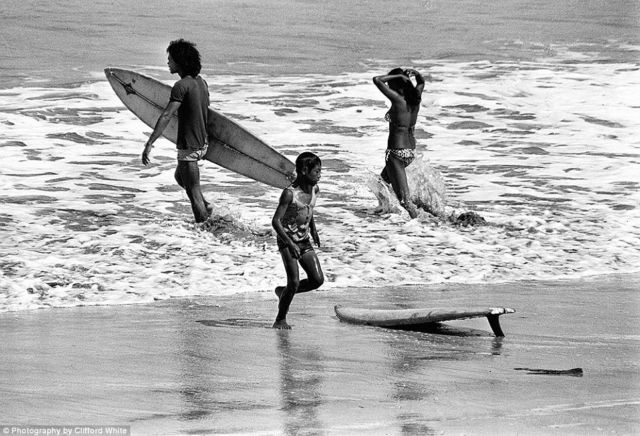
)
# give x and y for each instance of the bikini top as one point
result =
(396, 126)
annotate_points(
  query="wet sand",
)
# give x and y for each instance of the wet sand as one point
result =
(214, 366)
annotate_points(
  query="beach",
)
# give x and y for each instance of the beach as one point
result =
(532, 124)
(214, 366)
(116, 309)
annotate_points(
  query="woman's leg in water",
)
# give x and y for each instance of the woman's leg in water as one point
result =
(394, 172)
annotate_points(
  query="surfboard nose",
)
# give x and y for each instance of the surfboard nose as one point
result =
(111, 72)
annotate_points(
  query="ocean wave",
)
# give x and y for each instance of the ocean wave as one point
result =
(546, 153)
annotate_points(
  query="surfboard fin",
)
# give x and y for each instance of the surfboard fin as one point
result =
(494, 322)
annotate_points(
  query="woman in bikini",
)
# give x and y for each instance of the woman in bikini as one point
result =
(405, 103)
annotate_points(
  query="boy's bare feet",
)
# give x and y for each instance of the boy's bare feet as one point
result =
(281, 325)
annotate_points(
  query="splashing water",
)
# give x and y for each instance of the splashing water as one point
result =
(227, 226)
(554, 174)
(428, 190)
(426, 184)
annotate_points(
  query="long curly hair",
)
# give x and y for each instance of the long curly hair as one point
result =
(185, 54)
(405, 88)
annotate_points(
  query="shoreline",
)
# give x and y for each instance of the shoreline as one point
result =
(261, 294)
(208, 365)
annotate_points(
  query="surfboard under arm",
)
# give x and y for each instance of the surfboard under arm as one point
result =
(410, 318)
(231, 146)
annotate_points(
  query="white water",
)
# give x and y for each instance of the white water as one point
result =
(547, 152)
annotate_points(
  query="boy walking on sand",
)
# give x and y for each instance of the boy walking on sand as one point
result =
(294, 226)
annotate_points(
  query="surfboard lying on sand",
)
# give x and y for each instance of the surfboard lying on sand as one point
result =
(399, 318)
(230, 145)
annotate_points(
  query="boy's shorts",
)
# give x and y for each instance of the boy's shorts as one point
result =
(304, 245)
(190, 155)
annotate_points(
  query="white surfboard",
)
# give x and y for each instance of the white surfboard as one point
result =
(398, 318)
(230, 145)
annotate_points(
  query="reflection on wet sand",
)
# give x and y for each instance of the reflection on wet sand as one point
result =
(410, 362)
(197, 366)
(300, 386)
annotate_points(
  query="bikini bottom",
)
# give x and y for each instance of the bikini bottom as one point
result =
(404, 155)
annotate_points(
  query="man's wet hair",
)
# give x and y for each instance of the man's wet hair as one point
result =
(185, 54)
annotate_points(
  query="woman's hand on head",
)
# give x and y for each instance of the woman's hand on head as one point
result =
(411, 72)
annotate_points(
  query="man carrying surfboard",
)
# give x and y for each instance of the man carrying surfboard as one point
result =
(294, 226)
(190, 99)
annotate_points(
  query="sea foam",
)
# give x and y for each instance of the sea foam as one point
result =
(547, 153)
